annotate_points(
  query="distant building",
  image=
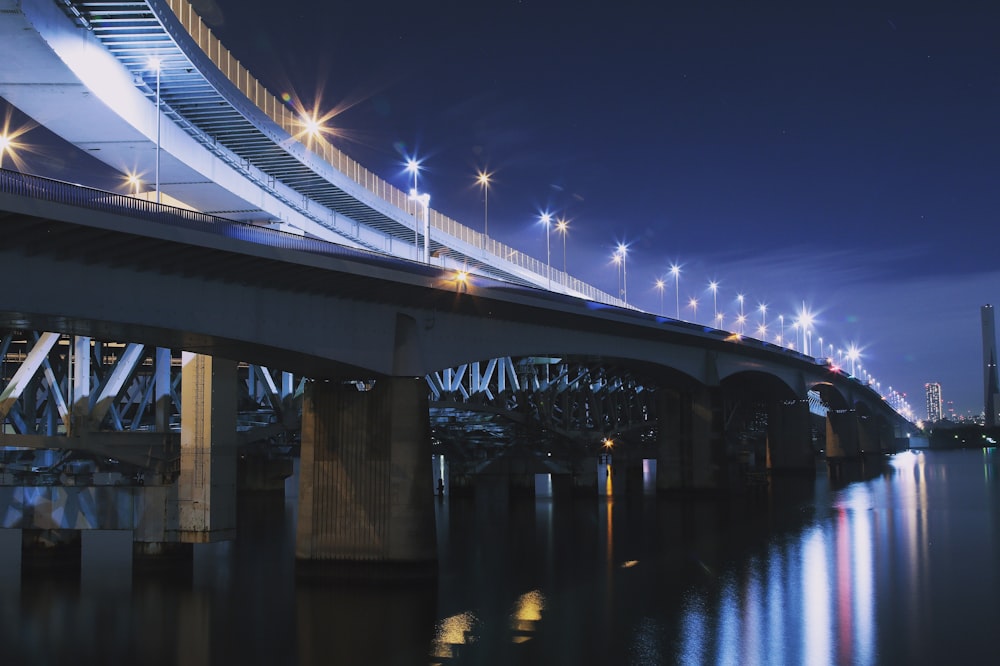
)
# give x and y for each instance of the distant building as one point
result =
(934, 404)
(991, 390)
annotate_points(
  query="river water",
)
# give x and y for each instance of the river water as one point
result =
(893, 562)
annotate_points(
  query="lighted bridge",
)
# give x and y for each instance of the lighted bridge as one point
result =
(288, 255)
(94, 73)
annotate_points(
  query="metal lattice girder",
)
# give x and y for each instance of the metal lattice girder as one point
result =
(115, 383)
(36, 358)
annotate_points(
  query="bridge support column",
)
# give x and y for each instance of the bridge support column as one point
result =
(206, 488)
(366, 496)
(789, 439)
(841, 435)
(869, 440)
(690, 442)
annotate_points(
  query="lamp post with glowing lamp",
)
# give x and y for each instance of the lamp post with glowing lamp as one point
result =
(714, 287)
(546, 220)
(675, 270)
(425, 202)
(853, 354)
(6, 144)
(483, 178)
(617, 259)
(156, 65)
(623, 251)
(413, 166)
(562, 226)
(693, 304)
(659, 287)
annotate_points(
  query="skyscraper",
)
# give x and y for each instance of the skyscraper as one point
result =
(934, 405)
(991, 391)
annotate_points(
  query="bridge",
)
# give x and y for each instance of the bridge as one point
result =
(269, 274)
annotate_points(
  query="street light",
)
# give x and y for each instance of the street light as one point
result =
(425, 201)
(546, 219)
(853, 354)
(6, 144)
(133, 181)
(659, 286)
(156, 65)
(693, 304)
(762, 307)
(617, 258)
(562, 226)
(413, 166)
(714, 286)
(781, 336)
(483, 178)
(806, 320)
(675, 270)
(741, 319)
(623, 250)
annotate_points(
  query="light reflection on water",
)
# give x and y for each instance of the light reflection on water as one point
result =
(898, 566)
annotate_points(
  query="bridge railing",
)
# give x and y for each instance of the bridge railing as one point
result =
(291, 123)
(55, 191)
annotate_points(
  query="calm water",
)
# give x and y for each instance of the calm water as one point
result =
(894, 563)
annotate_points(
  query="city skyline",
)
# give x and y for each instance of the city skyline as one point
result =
(831, 160)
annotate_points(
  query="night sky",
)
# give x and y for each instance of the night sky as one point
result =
(841, 155)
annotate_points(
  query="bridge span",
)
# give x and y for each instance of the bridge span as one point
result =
(285, 275)
(375, 336)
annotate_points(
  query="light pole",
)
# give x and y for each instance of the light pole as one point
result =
(546, 219)
(413, 166)
(806, 319)
(675, 270)
(156, 65)
(741, 318)
(763, 319)
(659, 286)
(562, 226)
(623, 250)
(133, 180)
(424, 200)
(617, 258)
(781, 336)
(714, 286)
(693, 304)
(483, 178)
(6, 143)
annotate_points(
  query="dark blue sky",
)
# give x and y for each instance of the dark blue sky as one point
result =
(844, 155)
(841, 154)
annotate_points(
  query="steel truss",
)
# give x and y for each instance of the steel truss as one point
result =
(575, 400)
(67, 398)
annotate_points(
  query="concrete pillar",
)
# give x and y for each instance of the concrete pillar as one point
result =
(841, 434)
(691, 453)
(868, 435)
(365, 494)
(789, 439)
(671, 465)
(206, 488)
(707, 440)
